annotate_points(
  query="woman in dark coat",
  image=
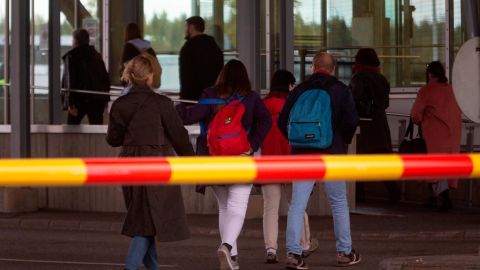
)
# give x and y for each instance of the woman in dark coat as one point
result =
(144, 124)
(369, 85)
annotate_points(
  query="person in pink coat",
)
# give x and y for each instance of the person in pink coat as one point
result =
(436, 109)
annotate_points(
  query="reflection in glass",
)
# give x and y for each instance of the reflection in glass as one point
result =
(405, 37)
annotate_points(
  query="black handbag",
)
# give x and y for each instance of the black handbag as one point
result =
(411, 145)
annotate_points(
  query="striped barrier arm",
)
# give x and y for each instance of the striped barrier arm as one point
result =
(227, 170)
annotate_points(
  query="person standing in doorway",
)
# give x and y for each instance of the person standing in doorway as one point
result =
(84, 69)
(371, 92)
(335, 106)
(145, 124)
(201, 60)
(440, 117)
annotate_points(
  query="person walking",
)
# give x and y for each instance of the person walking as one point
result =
(222, 106)
(145, 124)
(200, 60)
(326, 108)
(275, 144)
(136, 45)
(440, 117)
(371, 92)
(84, 69)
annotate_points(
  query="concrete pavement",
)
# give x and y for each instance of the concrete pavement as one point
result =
(72, 240)
(368, 223)
(26, 249)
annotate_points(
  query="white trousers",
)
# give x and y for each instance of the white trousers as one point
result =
(232, 207)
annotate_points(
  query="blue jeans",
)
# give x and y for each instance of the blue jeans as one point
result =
(142, 249)
(336, 193)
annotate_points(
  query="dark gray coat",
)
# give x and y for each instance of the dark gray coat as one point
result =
(374, 135)
(146, 124)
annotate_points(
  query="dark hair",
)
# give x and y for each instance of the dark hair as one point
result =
(197, 22)
(82, 37)
(368, 57)
(281, 81)
(436, 69)
(233, 78)
(132, 31)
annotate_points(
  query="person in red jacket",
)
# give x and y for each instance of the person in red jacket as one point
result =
(276, 144)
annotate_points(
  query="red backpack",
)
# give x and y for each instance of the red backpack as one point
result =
(226, 135)
(275, 143)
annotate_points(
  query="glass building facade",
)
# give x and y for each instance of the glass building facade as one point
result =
(407, 34)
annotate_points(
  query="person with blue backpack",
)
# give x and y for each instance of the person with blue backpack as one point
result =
(234, 122)
(319, 117)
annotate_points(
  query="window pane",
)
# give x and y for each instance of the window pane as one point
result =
(40, 62)
(90, 19)
(3, 43)
(405, 37)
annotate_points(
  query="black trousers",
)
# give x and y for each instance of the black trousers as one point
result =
(93, 111)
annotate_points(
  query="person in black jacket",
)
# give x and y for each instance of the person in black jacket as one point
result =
(201, 60)
(145, 124)
(345, 120)
(371, 92)
(84, 69)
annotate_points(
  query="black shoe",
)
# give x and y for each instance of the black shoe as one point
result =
(348, 259)
(431, 202)
(445, 202)
(271, 258)
(295, 262)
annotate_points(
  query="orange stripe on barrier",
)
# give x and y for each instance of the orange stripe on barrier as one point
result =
(433, 166)
(128, 171)
(286, 168)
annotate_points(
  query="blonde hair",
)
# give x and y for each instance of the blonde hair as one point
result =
(138, 70)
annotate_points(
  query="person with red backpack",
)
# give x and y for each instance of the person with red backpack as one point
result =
(234, 122)
(276, 144)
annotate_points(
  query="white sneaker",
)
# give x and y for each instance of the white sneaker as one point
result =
(225, 259)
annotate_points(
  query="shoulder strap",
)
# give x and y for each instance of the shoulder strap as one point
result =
(410, 130)
(211, 101)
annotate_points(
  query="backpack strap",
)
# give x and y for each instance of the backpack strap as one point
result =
(216, 101)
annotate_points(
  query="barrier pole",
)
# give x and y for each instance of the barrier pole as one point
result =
(228, 170)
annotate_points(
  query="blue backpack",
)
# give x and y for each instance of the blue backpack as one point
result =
(310, 124)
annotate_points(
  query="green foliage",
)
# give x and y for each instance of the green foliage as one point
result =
(168, 35)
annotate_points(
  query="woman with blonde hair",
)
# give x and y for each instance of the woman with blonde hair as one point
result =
(145, 124)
